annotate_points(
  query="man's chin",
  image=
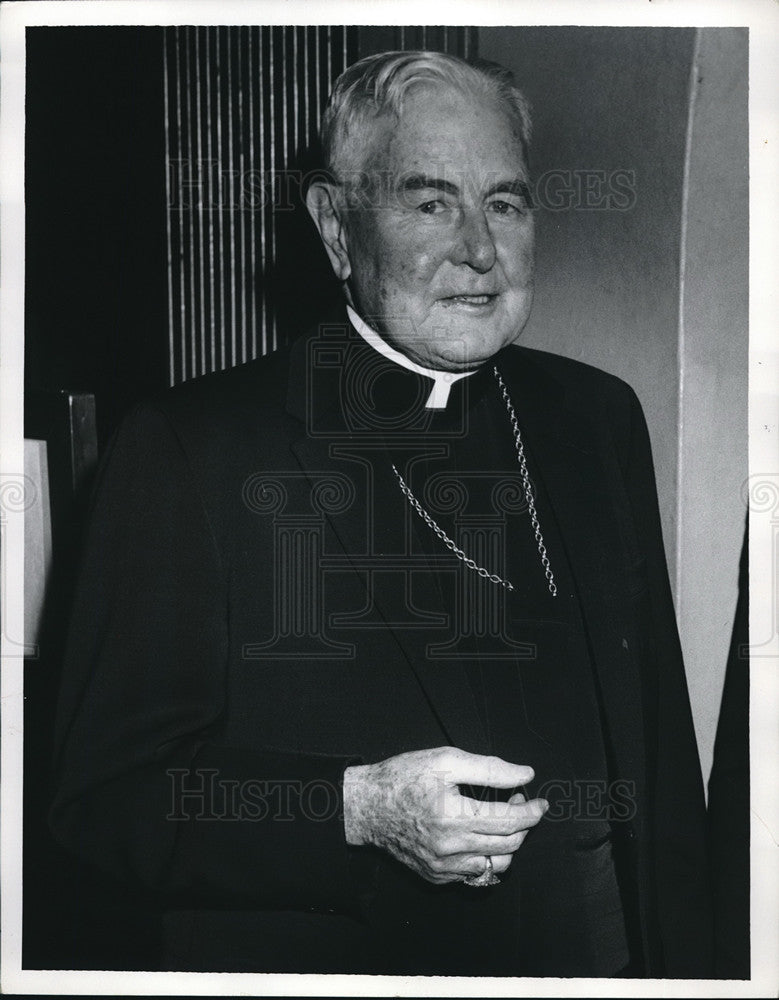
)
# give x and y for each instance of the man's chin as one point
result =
(469, 355)
(454, 347)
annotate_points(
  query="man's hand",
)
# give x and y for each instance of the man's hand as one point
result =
(410, 805)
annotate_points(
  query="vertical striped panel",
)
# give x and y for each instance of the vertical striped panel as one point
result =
(241, 105)
(459, 40)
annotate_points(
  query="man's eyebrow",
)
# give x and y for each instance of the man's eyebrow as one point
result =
(419, 182)
(515, 186)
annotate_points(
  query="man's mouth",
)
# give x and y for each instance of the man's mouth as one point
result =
(471, 300)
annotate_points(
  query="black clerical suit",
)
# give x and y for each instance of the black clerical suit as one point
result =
(260, 607)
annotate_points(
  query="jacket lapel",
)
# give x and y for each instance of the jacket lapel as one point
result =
(579, 470)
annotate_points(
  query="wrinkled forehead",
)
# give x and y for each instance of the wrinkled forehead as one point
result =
(431, 111)
(439, 131)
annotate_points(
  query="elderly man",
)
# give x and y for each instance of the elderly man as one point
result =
(374, 664)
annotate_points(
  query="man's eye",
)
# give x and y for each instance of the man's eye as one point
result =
(432, 207)
(506, 208)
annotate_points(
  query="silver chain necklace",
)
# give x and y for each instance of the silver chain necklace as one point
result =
(529, 499)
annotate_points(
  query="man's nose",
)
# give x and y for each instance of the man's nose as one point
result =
(474, 244)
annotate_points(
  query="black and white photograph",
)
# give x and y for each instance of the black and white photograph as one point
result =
(390, 505)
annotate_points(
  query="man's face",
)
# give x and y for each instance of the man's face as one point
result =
(440, 250)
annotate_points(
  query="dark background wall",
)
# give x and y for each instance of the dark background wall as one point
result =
(96, 271)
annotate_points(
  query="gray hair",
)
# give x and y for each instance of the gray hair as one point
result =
(377, 84)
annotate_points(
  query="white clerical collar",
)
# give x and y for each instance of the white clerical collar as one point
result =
(442, 381)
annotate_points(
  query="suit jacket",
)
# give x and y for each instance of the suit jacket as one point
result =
(728, 815)
(233, 650)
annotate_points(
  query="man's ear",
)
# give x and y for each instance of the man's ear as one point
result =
(323, 203)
